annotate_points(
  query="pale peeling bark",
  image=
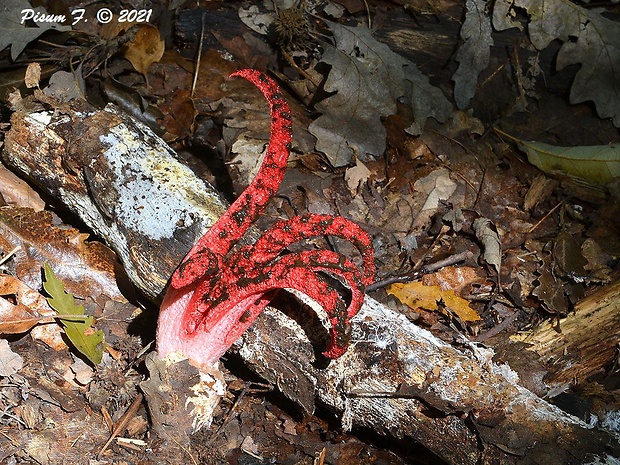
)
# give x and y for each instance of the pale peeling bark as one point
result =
(121, 180)
(396, 378)
(399, 379)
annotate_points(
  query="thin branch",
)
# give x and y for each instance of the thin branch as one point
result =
(427, 269)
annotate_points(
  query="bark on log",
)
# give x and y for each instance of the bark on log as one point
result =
(396, 378)
(569, 349)
(122, 180)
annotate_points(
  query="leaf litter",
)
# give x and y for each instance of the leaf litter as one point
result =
(589, 39)
(363, 66)
(536, 263)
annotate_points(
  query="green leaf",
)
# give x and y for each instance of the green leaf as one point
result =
(90, 345)
(597, 164)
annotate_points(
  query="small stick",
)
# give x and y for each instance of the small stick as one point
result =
(107, 418)
(230, 412)
(122, 422)
(451, 260)
(545, 217)
(497, 328)
(4, 259)
(368, 12)
(202, 37)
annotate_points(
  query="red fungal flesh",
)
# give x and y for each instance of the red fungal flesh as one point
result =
(216, 293)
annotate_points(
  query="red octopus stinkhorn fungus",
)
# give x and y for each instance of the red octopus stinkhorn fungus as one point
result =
(219, 290)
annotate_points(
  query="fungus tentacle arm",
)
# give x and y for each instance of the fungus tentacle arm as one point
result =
(217, 292)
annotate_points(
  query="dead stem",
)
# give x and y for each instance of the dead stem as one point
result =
(545, 217)
(122, 422)
(427, 269)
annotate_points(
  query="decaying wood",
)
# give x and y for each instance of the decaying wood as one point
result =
(122, 180)
(578, 346)
(396, 378)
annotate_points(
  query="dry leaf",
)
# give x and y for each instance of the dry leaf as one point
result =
(597, 260)
(437, 186)
(588, 38)
(416, 295)
(363, 66)
(17, 192)
(356, 175)
(86, 268)
(540, 189)
(10, 362)
(17, 35)
(551, 291)
(65, 86)
(25, 309)
(113, 29)
(474, 53)
(50, 334)
(569, 260)
(80, 372)
(16, 319)
(145, 49)
(33, 75)
(492, 247)
(456, 278)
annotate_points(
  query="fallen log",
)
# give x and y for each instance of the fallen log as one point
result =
(396, 378)
(563, 346)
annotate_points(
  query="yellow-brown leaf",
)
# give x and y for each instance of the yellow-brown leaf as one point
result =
(417, 295)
